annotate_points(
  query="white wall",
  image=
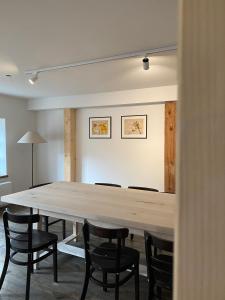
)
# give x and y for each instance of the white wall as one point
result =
(126, 162)
(50, 156)
(116, 98)
(139, 162)
(132, 163)
(18, 121)
(122, 161)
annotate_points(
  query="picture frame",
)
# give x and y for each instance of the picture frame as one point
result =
(100, 127)
(134, 127)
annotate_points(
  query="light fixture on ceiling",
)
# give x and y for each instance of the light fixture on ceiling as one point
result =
(6, 75)
(33, 78)
(145, 61)
(34, 73)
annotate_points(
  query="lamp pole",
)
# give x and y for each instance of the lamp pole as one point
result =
(32, 164)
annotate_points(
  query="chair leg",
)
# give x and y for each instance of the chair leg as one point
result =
(86, 281)
(5, 267)
(46, 223)
(136, 278)
(159, 292)
(55, 262)
(32, 266)
(29, 270)
(64, 228)
(104, 280)
(150, 291)
(117, 287)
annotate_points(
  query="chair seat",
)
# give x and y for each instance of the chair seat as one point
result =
(40, 239)
(104, 258)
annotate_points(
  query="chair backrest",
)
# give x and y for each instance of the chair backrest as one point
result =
(108, 184)
(39, 185)
(93, 251)
(159, 263)
(142, 188)
(12, 233)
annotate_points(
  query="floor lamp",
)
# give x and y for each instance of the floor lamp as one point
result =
(32, 137)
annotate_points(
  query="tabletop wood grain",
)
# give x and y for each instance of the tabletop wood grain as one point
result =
(141, 210)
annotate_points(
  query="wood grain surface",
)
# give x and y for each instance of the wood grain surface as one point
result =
(70, 144)
(170, 147)
(136, 209)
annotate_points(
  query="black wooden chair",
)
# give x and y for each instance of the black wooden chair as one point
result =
(109, 258)
(47, 224)
(108, 184)
(27, 241)
(159, 264)
(142, 188)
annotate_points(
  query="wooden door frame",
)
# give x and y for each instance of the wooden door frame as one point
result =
(170, 148)
(70, 144)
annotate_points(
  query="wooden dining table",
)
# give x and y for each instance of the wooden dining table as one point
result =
(103, 205)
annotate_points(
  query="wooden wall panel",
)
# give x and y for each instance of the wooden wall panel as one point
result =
(69, 144)
(170, 147)
(200, 238)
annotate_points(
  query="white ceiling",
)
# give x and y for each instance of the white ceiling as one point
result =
(35, 34)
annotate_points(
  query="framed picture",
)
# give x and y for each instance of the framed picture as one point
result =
(100, 128)
(134, 127)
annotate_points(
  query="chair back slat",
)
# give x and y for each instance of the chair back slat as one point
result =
(108, 184)
(39, 185)
(160, 265)
(162, 244)
(16, 231)
(22, 219)
(142, 188)
(110, 233)
(16, 238)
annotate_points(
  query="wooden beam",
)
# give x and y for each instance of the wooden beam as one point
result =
(170, 146)
(69, 144)
(200, 238)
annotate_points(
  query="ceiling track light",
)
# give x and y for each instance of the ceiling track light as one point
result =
(6, 75)
(145, 61)
(145, 53)
(33, 78)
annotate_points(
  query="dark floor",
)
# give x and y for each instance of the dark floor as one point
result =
(71, 275)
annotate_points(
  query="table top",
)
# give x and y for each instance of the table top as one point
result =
(141, 210)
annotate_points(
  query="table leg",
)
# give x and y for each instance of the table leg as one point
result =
(76, 229)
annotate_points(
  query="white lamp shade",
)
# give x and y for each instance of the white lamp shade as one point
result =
(31, 137)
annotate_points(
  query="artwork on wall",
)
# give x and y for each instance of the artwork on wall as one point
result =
(100, 127)
(134, 127)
